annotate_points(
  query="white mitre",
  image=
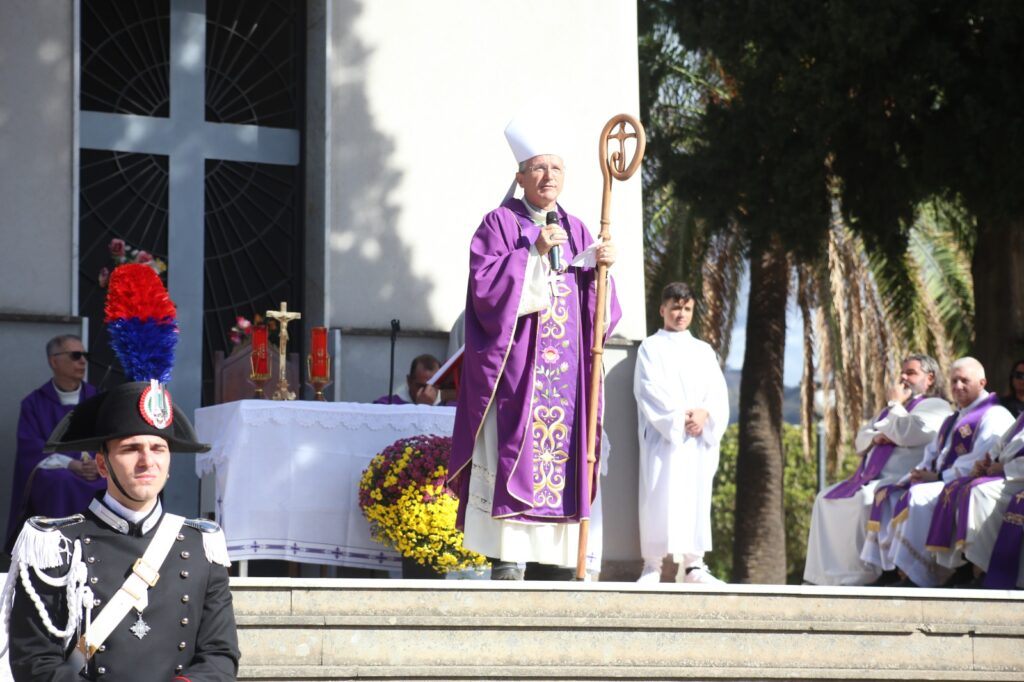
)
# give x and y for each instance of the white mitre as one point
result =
(531, 135)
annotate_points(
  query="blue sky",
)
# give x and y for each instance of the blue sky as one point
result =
(794, 342)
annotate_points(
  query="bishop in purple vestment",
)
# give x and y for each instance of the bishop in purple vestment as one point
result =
(51, 485)
(519, 442)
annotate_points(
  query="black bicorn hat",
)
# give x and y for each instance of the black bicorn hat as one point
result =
(138, 408)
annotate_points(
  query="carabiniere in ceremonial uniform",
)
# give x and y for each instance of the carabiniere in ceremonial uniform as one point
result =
(123, 591)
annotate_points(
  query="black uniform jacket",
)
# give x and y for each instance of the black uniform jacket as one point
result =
(192, 632)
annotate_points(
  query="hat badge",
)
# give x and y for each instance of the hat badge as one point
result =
(155, 405)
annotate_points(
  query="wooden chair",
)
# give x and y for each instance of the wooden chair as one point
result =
(231, 375)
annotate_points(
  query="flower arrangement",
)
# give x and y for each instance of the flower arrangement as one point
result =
(241, 332)
(404, 495)
(122, 253)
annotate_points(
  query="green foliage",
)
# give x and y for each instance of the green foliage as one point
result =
(801, 480)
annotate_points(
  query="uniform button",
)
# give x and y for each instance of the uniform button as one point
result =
(184, 621)
(178, 668)
(181, 537)
(185, 555)
(91, 560)
(103, 647)
(184, 599)
(181, 646)
(97, 602)
(184, 574)
(101, 670)
(87, 541)
(93, 580)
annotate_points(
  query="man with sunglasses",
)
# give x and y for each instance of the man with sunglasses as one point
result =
(61, 483)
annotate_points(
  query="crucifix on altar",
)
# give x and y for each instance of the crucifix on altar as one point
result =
(283, 316)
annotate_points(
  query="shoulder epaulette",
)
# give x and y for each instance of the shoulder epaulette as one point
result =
(214, 544)
(41, 544)
(204, 525)
(46, 523)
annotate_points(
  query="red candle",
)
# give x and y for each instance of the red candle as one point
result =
(318, 354)
(260, 358)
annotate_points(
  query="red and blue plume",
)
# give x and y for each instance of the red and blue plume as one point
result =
(140, 318)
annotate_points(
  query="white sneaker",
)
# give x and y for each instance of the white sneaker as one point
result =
(701, 576)
(651, 574)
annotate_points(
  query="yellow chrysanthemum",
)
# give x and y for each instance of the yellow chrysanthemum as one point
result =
(424, 531)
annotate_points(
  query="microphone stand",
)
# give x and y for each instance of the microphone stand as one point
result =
(396, 326)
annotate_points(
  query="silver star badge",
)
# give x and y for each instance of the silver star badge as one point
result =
(140, 628)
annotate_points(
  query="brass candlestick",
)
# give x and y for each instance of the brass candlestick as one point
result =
(318, 383)
(257, 378)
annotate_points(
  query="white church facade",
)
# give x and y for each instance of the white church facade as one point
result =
(332, 154)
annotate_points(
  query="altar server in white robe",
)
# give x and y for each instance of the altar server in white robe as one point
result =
(891, 443)
(683, 407)
(976, 427)
(990, 500)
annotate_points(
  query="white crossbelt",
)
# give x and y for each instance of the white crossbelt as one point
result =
(134, 592)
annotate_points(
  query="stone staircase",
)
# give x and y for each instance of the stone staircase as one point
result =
(337, 629)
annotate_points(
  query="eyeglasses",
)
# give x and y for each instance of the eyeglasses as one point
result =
(75, 355)
(541, 169)
(1018, 375)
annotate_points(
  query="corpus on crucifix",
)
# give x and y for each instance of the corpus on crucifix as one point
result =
(283, 316)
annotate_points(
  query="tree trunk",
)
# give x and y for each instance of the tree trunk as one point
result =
(759, 551)
(998, 271)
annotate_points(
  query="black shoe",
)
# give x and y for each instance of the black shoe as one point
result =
(548, 572)
(505, 570)
(904, 582)
(887, 579)
(962, 577)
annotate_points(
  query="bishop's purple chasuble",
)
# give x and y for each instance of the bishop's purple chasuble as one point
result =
(533, 371)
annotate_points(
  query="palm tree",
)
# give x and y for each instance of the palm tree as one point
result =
(863, 314)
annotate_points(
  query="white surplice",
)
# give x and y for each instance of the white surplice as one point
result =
(839, 526)
(675, 373)
(911, 533)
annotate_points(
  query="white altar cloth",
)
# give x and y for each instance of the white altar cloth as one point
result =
(287, 475)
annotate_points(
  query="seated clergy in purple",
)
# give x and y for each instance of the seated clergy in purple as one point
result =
(963, 439)
(416, 389)
(61, 483)
(891, 444)
(519, 442)
(984, 527)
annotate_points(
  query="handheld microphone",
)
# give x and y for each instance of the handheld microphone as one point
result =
(555, 254)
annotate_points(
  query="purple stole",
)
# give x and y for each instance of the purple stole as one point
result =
(955, 501)
(882, 493)
(966, 429)
(871, 464)
(953, 504)
(961, 443)
(1004, 564)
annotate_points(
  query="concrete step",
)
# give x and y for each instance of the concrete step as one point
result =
(332, 629)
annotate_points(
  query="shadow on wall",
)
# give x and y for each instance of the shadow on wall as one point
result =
(372, 279)
(370, 259)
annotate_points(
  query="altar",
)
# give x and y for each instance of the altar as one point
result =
(287, 475)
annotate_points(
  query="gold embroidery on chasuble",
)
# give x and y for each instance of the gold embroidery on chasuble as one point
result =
(549, 427)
